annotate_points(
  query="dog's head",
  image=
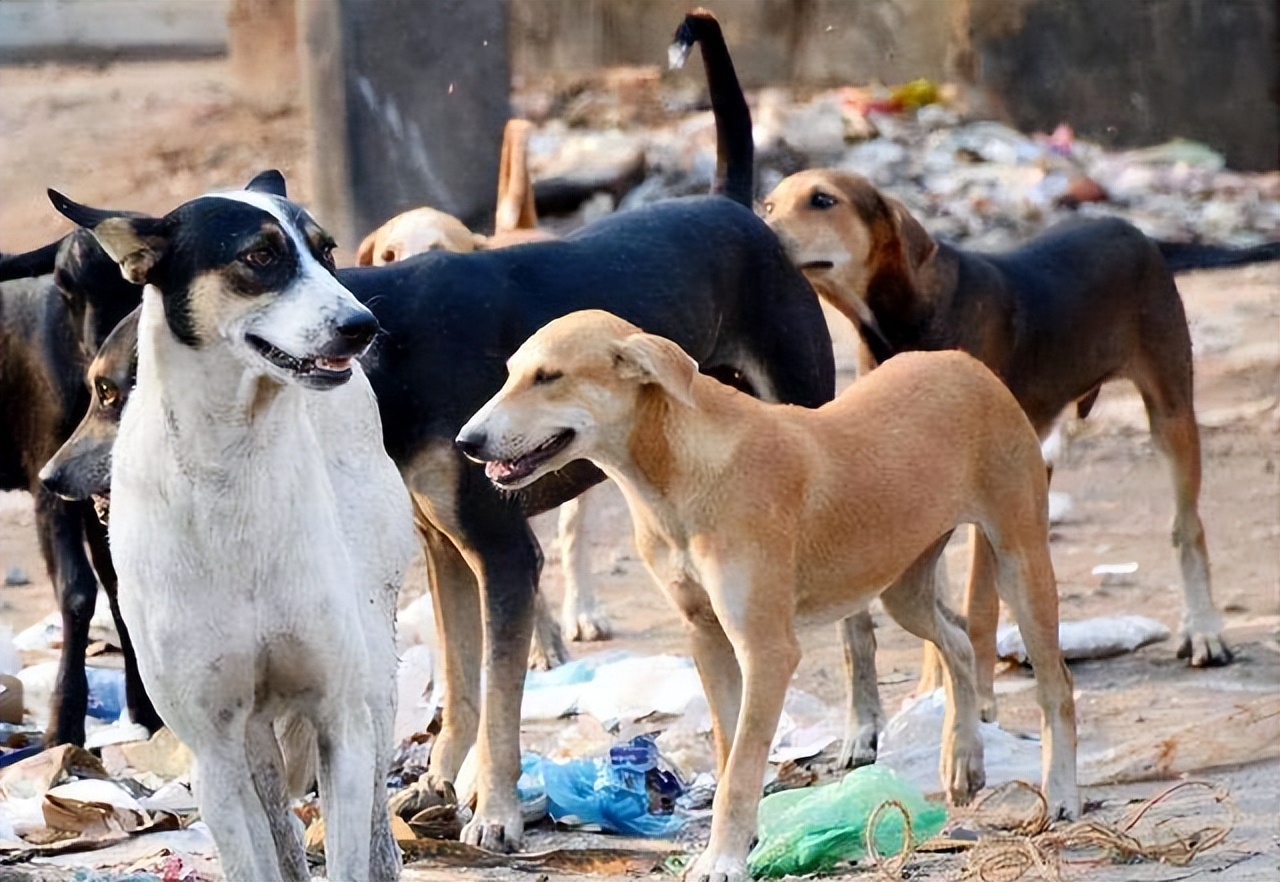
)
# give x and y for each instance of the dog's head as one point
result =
(414, 232)
(81, 468)
(846, 236)
(247, 270)
(571, 393)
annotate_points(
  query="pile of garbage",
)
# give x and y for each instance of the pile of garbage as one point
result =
(969, 181)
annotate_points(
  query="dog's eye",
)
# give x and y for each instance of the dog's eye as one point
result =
(326, 253)
(822, 200)
(106, 391)
(768, 208)
(542, 377)
(259, 257)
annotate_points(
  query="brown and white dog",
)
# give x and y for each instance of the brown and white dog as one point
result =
(1087, 302)
(755, 517)
(515, 222)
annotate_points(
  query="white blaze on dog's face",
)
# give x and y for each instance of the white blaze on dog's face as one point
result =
(248, 270)
(815, 216)
(571, 394)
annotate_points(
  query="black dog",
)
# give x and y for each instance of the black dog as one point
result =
(49, 326)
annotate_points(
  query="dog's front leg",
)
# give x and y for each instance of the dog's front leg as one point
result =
(456, 600)
(865, 716)
(347, 762)
(509, 580)
(60, 526)
(770, 653)
(266, 763)
(721, 680)
(229, 804)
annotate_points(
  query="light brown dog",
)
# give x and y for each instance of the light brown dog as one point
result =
(428, 229)
(755, 517)
(1084, 303)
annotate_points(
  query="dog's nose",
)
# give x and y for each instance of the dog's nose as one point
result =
(471, 444)
(360, 328)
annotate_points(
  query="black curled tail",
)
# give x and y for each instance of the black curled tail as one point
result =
(1180, 256)
(30, 263)
(735, 148)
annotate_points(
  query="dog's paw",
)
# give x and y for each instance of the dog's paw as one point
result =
(586, 627)
(963, 774)
(495, 831)
(859, 748)
(711, 867)
(987, 706)
(441, 791)
(1205, 650)
(547, 650)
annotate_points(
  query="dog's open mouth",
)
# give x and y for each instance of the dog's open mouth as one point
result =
(505, 472)
(324, 369)
(817, 265)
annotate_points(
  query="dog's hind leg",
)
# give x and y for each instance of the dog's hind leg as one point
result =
(579, 617)
(865, 715)
(1166, 387)
(141, 710)
(932, 670)
(913, 602)
(265, 764)
(982, 619)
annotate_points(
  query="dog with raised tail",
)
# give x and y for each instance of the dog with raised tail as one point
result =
(259, 528)
(755, 517)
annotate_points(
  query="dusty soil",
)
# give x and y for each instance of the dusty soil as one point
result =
(148, 136)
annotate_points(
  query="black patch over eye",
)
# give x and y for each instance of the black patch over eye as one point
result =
(543, 377)
(821, 200)
(106, 391)
(260, 257)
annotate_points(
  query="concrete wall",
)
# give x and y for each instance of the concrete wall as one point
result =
(1124, 72)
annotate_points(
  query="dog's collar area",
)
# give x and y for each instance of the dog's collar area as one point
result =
(511, 471)
(320, 371)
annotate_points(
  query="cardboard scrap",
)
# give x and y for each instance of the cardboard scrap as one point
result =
(36, 775)
(611, 861)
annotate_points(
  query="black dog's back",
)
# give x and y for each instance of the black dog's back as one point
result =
(703, 271)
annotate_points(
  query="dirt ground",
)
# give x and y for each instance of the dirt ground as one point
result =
(146, 136)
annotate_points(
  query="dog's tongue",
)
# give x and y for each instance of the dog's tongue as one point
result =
(499, 471)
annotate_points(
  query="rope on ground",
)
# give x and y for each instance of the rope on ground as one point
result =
(890, 868)
(1012, 853)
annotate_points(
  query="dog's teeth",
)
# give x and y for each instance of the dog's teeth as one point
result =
(334, 364)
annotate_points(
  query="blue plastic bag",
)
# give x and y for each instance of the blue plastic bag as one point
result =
(616, 793)
(106, 693)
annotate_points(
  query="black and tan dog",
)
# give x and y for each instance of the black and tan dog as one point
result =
(57, 305)
(1085, 303)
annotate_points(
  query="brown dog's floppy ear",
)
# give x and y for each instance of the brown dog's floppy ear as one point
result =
(656, 360)
(270, 181)
(364, 254)
(135, 243)
(917, 245)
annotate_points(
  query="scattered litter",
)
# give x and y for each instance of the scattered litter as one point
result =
(10, 660)
(1100, 637)
(10, 700)
(1116, 574)
(629, 790)
(811, 830)
(911, 745)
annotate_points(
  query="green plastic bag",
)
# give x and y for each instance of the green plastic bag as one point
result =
(809, 830)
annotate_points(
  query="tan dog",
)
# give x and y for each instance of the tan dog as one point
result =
(754, 517)
(428, 229)
(1084, 303)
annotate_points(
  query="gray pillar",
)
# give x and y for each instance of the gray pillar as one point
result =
(407, 100)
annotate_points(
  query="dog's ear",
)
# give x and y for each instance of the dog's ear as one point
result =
(917, 245)
(270, 181)
(364, 254)
(656, 360)
(133, 241)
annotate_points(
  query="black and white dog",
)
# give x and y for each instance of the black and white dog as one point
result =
(259, 528)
